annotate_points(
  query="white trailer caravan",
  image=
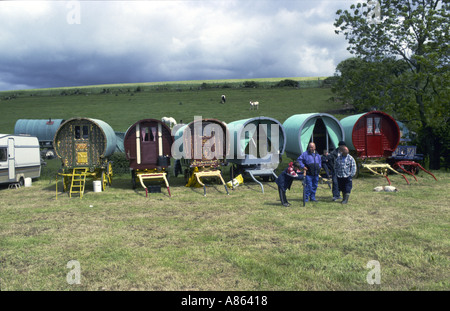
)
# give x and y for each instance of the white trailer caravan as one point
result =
(19, 158)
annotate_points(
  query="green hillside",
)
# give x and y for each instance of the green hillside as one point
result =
(122, 105)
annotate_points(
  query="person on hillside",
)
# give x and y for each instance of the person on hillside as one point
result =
(310, 161)
(284, 181)
(332, 160)
(345, 169)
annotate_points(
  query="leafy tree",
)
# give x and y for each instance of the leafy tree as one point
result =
(250, 84)
(288, 83)
(368, 84)
(402, 47)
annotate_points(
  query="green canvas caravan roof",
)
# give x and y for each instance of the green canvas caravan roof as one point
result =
(321, 128)
(252, 140)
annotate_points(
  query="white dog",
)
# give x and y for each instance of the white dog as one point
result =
(385, 188)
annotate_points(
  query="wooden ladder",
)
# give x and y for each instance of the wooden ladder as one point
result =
(78, 181)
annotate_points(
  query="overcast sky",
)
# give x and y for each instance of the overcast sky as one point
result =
(75, 43)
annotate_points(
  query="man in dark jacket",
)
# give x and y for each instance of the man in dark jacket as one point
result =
(312, 162)
(332, 160)
(326, 163)
(284, 181)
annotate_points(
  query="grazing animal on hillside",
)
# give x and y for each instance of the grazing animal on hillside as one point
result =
(169, 121)
(254, 105)
(385, 188)
(223, 99)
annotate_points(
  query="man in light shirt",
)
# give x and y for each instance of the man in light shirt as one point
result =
(345, 169)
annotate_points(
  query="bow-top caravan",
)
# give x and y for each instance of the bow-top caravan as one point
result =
(148, 146)
(84, 146)
(372, 137)
(201, 147)
(257, 145)
(320, 128)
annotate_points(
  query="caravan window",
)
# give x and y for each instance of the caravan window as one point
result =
(377, 129)
(369, 126)
(149, 134)
(3, 154)
(85, 132)
(81, 133)
(77, 132)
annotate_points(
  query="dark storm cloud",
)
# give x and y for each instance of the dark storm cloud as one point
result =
(145, 41)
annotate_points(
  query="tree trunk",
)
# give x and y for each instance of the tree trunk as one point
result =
(432, 147)
(430, 142)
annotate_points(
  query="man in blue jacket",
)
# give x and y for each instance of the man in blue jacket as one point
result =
(312, 162)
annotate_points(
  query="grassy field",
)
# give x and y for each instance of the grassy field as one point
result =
(124, 240)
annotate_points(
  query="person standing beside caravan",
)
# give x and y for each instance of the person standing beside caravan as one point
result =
(345, 169)
(333, 156)
(312, 162)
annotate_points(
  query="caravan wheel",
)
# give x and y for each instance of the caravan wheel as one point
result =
(186, 175)
(133, 179)
(104, 180)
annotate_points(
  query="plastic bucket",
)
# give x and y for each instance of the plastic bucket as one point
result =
(97, 185)
(27, 182)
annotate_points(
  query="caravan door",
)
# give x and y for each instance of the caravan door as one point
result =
(11, 160)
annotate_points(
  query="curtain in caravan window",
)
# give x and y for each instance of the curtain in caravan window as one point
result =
(144, 133)
(153, 130)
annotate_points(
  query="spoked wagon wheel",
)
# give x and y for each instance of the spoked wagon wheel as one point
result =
(104, 180)
(110, 173)
(66, 183)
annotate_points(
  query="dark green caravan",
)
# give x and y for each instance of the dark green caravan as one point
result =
(84, 142)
